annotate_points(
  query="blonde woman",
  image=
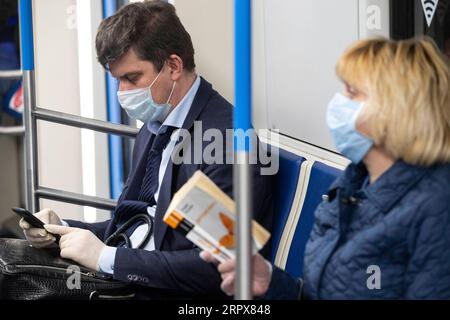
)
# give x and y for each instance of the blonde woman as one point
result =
(384, 233)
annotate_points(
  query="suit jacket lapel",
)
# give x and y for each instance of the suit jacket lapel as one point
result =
(165, 195)
(131, 191)
(139, 171)
(164, 198)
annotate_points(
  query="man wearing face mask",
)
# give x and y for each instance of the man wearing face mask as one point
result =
(147, 49)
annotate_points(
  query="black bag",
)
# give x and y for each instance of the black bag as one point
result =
(28, 273)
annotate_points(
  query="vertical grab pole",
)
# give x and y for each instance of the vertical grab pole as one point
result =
(29, 96)
(114, 116)
(243, 147)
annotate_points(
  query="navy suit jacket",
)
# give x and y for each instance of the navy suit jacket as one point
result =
(175, 265)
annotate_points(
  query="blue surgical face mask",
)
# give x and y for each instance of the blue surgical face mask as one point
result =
(342, 114)
(139, 104)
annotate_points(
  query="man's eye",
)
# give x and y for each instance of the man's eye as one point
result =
(134, 79)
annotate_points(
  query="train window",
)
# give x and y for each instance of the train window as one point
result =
(421, 17)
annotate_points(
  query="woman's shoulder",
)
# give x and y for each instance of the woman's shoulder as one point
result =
(436, 182)
(426, 194)
(431, 196)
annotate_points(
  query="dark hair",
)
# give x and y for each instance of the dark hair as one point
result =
(151, 28)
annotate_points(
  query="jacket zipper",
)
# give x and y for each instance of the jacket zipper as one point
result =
(87, 274)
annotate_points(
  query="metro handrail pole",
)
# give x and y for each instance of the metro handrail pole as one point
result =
(29, 98)
(114, 116)
(243, 147)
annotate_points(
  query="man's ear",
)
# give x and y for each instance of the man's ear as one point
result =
(176, 67)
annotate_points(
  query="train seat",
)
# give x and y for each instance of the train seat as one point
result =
(300, 186)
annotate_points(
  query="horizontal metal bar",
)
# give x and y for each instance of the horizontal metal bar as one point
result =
(85, 123)
(12, 131)
(10, 74)
(75, 198)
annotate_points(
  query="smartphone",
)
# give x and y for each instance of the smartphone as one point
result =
(32, 220)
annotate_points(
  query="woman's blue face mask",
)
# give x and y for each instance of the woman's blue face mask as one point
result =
(342, 114)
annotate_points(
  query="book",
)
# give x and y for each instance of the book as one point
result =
(205, 215)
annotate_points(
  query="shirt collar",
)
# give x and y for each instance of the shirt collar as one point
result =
(387, 190)
(178, 115)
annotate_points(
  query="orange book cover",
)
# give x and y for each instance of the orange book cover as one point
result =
(206, 215)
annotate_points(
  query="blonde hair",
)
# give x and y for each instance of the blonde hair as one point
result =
(407, 84)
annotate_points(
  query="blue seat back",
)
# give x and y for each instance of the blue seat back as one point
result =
(320, 179)
(286, 186)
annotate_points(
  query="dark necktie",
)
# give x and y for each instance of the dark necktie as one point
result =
(127, 209)
(151, 178)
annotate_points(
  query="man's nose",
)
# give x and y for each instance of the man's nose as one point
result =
(124, 86)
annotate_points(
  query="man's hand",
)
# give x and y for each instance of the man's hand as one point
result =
(40, 238)
(262, 274)
(79, 245)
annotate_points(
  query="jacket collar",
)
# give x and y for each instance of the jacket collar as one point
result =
(387, 190)
(204, 93)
